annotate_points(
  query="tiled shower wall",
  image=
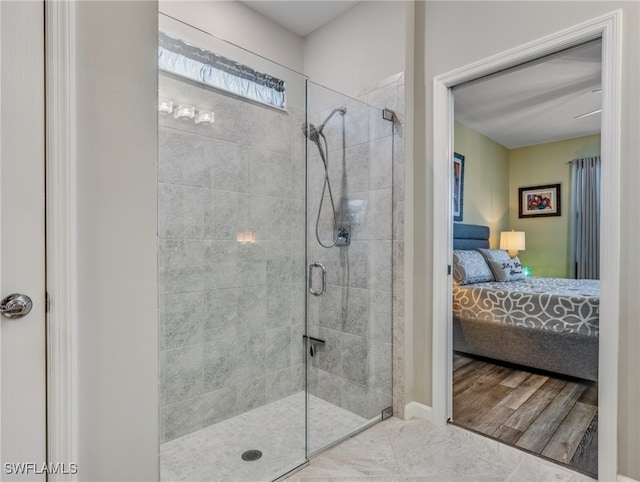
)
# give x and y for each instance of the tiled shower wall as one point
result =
(354, 368)
(231, 258)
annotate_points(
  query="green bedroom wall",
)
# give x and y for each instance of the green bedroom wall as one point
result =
(486, 181)
(547, 239)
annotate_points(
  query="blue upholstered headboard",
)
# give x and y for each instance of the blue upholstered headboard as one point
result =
(470, 236)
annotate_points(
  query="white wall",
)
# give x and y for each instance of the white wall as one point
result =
(116, 139)
(454, 34)
(238, 24)
(363, 45)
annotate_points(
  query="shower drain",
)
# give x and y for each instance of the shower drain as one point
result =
(251, 455)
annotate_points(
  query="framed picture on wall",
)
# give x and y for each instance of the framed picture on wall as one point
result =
(538, 201)
(458, 186)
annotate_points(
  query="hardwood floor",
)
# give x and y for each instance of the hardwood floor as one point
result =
(552, 416)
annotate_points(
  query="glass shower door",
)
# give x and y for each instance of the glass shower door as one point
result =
(231, 231)
(349, 259)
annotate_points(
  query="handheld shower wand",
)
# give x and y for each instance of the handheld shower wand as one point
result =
(313, 134)
(342, 110)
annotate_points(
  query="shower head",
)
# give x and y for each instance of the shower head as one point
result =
(342, 110)
(311, 133)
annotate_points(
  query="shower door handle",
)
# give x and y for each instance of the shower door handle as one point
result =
(324, 279)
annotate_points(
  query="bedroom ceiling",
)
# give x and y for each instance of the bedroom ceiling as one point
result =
(300, 17)
(537, 103)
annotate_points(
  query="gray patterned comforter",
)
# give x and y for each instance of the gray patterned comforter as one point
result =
(553, 304)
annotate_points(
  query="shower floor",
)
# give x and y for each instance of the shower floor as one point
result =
(277, 429)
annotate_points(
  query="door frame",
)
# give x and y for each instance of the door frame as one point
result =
(609, 28)
(60, 175)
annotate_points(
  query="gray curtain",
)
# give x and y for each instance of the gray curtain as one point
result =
(584, 249)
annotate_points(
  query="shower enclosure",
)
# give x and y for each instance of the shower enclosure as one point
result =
(275, 262)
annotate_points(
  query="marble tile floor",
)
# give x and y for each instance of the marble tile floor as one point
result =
(418, 451)
(214, 454)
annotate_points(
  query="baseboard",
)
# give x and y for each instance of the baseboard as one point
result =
(419, 411)
(622, 478)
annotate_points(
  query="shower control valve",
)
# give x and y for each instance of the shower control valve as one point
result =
(344, 234)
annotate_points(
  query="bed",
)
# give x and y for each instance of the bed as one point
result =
(543, 323)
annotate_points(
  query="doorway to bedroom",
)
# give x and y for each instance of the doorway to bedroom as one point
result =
(525, 256)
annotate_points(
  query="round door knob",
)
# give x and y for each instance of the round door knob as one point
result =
(15, 306)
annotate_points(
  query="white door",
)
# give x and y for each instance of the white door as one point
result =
(22, 243)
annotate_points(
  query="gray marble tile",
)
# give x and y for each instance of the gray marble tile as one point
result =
(324, 385)
(180, 265)
(260, 161)
(398, 367)
(219, 405)
(177, 463)
(279, 299)
(220, 262)
(278, 429)
(333, 307)
(279, 384)
(252, 310)
(220, 363)
(251, 394)
(356, 319)
(253, 215)
(180, 418)
(297, 344)
(363, 401)
(181, 158)
(380, 275)
(279, 217)
(387, 95)
(298, 372)
(367, 455)
(182, 316)
(298, 297)
(221, 214)
(181, 373)
(282, 179)
(532, 469)
(355, 358)
(380, 366)
(298, 262)
(454, 453)
(250, 361)
(277, 349)
(297, 220)
(398, 264)
(252, 264)
(333, 259)
(228, 165)
(358, 264)
(379, 215)
(220, 313)
(315, 177)
(356, 176)
(278, 126)
(398, 220)
(380, 312)
(329, 355)
(354, 208)
(399, 168)
(180, 211)
(381, 161)
(278, 262)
